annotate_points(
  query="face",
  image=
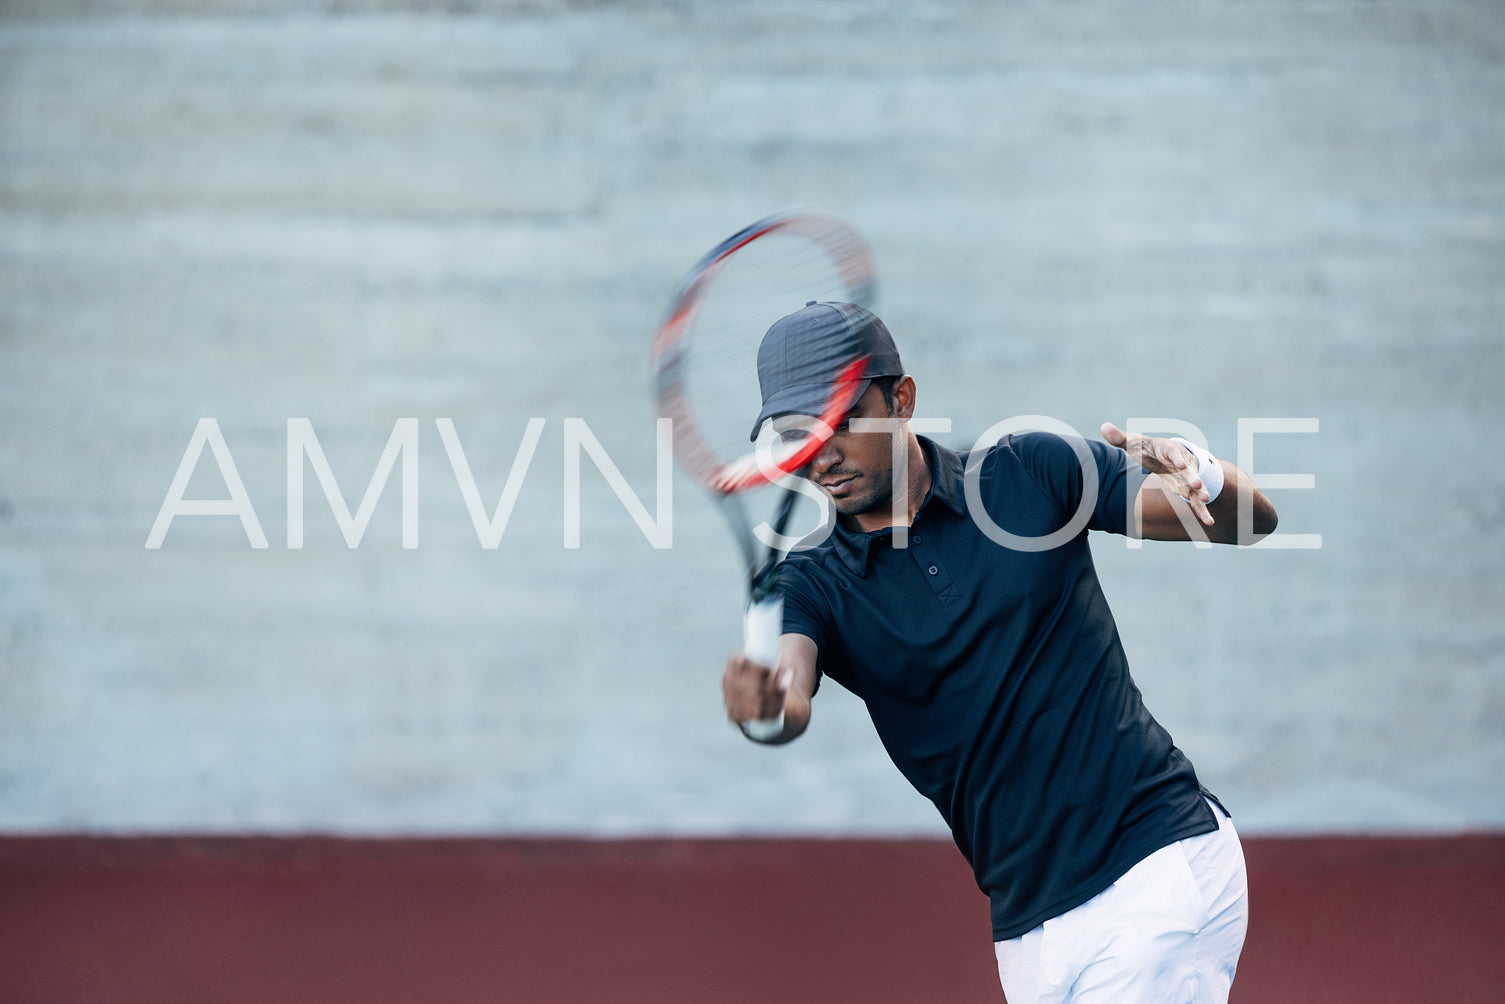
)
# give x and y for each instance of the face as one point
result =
(856, 469)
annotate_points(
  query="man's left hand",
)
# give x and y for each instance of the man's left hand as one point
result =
(1172, 462)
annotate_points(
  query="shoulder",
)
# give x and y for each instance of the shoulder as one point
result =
(1019, 459)
(1052, 459)
(1043, 448)
(1021, 449)
(815, 579)
(810, 568)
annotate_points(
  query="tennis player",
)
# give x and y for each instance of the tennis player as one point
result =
(977, 635)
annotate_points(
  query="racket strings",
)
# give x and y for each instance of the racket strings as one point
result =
(706, 352)
(753, 288)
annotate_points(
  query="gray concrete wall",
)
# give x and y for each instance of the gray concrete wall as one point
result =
(1091, 211)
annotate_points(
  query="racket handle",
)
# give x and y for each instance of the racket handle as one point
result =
(761, 627)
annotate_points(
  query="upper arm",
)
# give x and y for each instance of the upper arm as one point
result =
(1075, 473)
(808, 622)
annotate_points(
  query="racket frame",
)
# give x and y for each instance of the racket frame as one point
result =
(729, 481)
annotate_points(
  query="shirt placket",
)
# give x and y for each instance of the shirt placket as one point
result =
(933, 568)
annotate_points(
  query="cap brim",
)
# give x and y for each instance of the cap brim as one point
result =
(804, 399)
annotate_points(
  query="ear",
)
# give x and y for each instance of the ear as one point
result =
(904, 397)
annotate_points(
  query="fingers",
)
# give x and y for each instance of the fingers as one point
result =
(743, 674)
(751, 690)
(1174, 456)
(1190, 488)
(1158, 456)
(1199, 507)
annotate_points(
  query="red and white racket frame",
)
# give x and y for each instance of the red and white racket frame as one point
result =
(728, 477)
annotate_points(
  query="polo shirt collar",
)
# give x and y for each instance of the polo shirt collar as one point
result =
(946, 470)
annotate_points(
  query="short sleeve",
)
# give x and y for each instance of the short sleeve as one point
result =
(1054, 464)
(805, 610)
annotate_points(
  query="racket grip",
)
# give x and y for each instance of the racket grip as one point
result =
(761, 628)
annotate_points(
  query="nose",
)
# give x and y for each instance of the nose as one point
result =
(828, 457)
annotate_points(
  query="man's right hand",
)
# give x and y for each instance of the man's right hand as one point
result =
(752, 692)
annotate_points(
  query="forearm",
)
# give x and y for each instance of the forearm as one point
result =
(1241, 514)
(1162, 514)
(796, 720)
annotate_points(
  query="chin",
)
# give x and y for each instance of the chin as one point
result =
(876, 496)
(857, 506)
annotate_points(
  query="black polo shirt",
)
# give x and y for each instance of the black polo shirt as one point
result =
(995, 677)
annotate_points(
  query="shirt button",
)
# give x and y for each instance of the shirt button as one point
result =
(918, 539)
(932, 570)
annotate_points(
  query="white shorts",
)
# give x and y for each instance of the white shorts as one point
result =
(1168, 932)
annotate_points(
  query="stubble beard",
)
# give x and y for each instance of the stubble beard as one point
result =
(879, 496)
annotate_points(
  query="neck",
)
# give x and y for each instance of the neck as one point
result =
(904, 504)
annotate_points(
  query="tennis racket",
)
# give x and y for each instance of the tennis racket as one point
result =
(706, 381)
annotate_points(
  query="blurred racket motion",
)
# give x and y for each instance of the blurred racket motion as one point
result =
(705, 363)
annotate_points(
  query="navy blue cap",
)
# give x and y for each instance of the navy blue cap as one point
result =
(803, 351)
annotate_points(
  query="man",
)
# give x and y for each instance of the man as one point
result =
(956, 597)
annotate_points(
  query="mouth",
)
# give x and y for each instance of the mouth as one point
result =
(838, 487)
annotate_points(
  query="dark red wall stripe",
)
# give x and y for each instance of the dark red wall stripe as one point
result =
(211, 920)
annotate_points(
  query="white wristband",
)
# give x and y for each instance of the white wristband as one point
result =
(1208, 468)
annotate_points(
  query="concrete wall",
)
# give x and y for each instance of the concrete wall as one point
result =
(1090, 211)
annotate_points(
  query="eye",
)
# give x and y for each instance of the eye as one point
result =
(792, 436)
